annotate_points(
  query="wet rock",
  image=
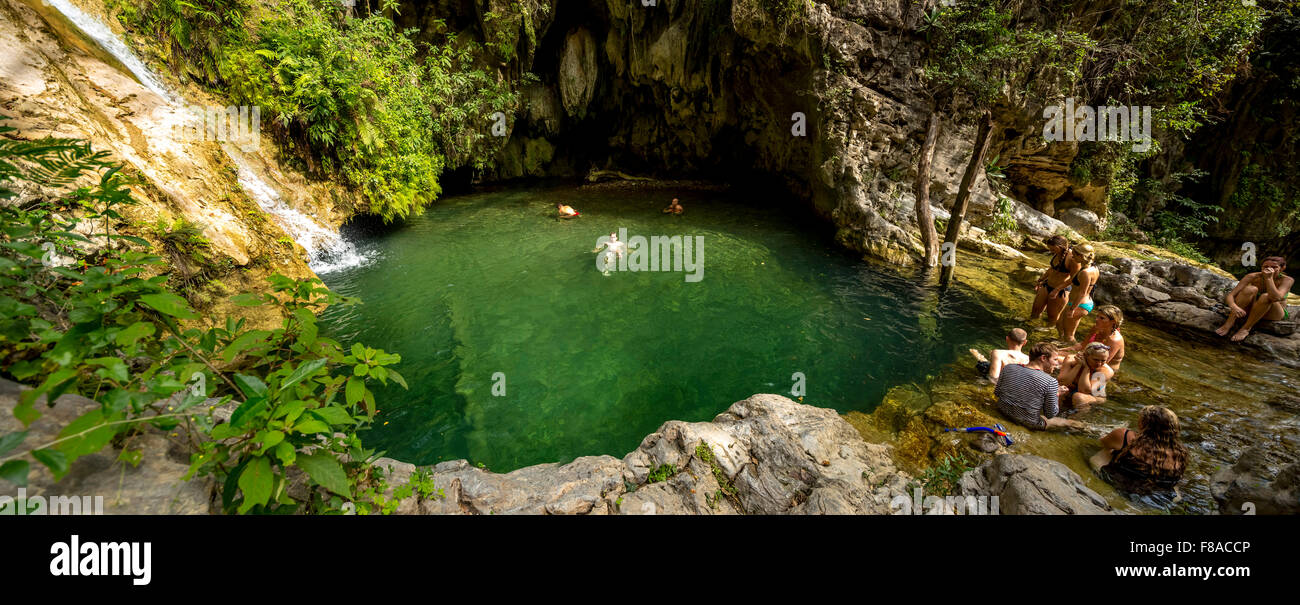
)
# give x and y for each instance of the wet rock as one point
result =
(1148, 296)
(769, 455)
(1252, 486)
(578, 72)
(1029, 485)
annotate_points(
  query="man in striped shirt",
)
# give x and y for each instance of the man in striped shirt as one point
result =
(1028, 394)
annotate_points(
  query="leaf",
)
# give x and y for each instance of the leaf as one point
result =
(304, 370)
(245, 340)
(255, 482)
(246, 411)
(252, 386)
(94, 438)
(326, 471)
(134, 332)
(247, 300)
(11, 440)
(132, 457)
(169, 304)
(397, 378)
(54, 459)
(112, 368)
(334, 415)
(285, 452)
(356, 390)
(15, 472)
(311, 425)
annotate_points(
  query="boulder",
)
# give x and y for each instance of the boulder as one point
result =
(1085, 221)
(1029, 485)
(153, 487)
(1148, 296)
(1252, 486)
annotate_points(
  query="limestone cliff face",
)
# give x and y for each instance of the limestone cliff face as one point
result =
(57, 82)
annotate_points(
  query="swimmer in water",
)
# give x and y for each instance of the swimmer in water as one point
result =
(992, 367)
(613, 250)
(565, 210)
(1106, 331)
(674, 207)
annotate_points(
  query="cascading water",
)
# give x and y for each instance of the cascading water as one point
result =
(326, 249)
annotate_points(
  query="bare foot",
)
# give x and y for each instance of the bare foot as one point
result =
(1240, 335)
(977, 355)
(1223, 330)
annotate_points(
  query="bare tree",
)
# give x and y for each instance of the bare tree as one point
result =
(924, 216)
(973, 167)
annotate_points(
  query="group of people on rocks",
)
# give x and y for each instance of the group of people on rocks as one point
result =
(1036, 388)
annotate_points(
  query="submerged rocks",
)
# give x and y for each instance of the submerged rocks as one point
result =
(1255, 485)
(1029, 485)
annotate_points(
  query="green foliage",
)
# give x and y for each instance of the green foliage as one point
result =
(99, 327)
(352, 97)
(941, 479)
(1003, 226)
(661, 473)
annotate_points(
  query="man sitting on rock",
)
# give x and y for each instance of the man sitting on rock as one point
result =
(998, 358)
(1028, 394)
(1259, 295)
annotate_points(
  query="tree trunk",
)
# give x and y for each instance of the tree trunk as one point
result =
(963, 195)
(924, 217)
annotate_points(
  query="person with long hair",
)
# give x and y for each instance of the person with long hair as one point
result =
(1054, 286)
(1150, 459)
(1080, 302)
(1105, 330)
(1259, 295)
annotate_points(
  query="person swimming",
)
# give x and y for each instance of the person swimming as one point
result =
(1259, 295)
(1080, 302)
(1147, 460)
(566, 211)
(1105, 330)
(674, 207)
(998, 358)
(1054, 285)
(613, 250)
(1085, 375)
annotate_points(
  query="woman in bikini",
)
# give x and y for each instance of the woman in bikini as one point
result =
(1080, 302)
(1054, 285)
(1106, 331)
(1147, 460)
(1084, 377)
(1259, 295)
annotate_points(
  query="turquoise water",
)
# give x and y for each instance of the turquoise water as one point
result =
(492, 284)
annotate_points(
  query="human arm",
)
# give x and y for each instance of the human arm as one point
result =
(1051, 400)
(1270, 283)
(1232, 296)
(995, 366)
(1114, 439)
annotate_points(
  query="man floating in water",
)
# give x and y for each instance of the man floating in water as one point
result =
(613, 250)
(998, 358)
(566, 211)
(674, 207)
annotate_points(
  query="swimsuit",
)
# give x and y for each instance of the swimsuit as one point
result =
(1135, 475)
(1086, 306)
(1061, 268)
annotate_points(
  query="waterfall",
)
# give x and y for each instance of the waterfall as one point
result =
(326, 249)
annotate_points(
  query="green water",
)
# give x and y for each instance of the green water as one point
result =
(492, 283)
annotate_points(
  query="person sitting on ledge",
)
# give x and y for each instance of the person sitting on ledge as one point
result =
(1149, 459)
(1105, 330)
(999, 358)
(566, 211)
(1028, 394)
(1053, 287)
(1259, 295)
(674, 207)
(1080, 375)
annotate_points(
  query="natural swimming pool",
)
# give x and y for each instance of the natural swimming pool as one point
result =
(519, 351)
